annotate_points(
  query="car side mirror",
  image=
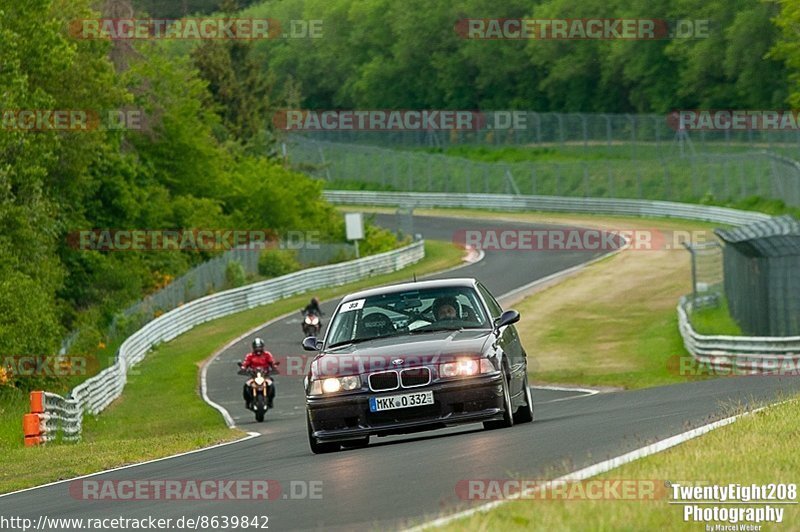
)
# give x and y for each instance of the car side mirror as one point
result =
(312, 344)
(508, 317)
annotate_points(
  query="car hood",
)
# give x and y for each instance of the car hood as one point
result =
(413, 350)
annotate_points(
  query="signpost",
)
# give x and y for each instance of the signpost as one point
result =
(354, 227)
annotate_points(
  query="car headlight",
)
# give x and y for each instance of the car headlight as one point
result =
(465, 367)
(331, 385)
(335, 384)
(350, 383)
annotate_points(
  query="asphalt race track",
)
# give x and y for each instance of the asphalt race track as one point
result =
(403, 480)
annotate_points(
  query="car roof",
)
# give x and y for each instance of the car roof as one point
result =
(418, 285)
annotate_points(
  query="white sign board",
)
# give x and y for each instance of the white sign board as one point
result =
(354, 225)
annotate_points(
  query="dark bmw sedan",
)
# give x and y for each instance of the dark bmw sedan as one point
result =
(413, 357)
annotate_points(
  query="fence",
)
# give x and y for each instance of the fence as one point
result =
(662, 175)
(96, 393)
(207, 278)
(634, 135)
(707, 273)
(762, 276)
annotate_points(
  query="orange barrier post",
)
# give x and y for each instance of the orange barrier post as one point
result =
(37, 402)
(31, 429)
(32, 423)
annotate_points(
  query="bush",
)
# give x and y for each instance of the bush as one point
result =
(235, 275)
(377, 240)
(277, 262)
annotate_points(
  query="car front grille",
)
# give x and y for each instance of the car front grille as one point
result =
(385, 380)
(415, 377)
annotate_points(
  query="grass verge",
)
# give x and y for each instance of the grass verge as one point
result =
(715, 320)
(754, 450)
(161, 399)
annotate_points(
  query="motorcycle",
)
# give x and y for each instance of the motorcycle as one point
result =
(311, 324)
(259, 385)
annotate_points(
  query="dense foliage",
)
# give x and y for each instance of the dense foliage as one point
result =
(391, 54)
(193, 165)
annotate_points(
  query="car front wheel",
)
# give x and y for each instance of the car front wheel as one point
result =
(508, 414)
(316, 446)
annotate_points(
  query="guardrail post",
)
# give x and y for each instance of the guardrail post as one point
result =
(32, 422)
(31, 430)
(37, 402)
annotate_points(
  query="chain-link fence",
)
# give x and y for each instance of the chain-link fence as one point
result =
(762, 276)
(212, 276)
(636, 135)
(610, 156)
(707, 274)
(215, 275)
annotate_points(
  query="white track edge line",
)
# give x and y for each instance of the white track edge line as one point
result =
(598, 468)
(203, 380)
(586, 391)
(250, 435)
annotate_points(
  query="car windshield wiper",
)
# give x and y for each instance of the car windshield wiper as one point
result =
(357, 341)
(438, 329)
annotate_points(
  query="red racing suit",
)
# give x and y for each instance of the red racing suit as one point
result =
(258, 360)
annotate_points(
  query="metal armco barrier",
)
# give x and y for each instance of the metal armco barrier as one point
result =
(96, 393)
(717, 351)
(746, 353)
(507, 202)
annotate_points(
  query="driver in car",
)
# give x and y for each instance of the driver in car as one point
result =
(445, 308)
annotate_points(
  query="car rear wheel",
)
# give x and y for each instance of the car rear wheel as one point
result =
(524, 413)
(508, 414)
(316, 446)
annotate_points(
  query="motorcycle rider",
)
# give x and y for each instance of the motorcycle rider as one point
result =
(313, 307)
(258, 358)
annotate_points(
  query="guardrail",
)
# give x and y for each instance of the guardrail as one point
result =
(96, 393)
(507, 202)
(762, 354)
(741, 352)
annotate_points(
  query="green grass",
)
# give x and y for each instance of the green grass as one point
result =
(715, 320)
(757, 449)
(160, 412)
(640, 171)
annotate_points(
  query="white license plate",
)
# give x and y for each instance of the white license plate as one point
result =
(406, 400)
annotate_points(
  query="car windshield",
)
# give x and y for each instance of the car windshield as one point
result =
(410, 312)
